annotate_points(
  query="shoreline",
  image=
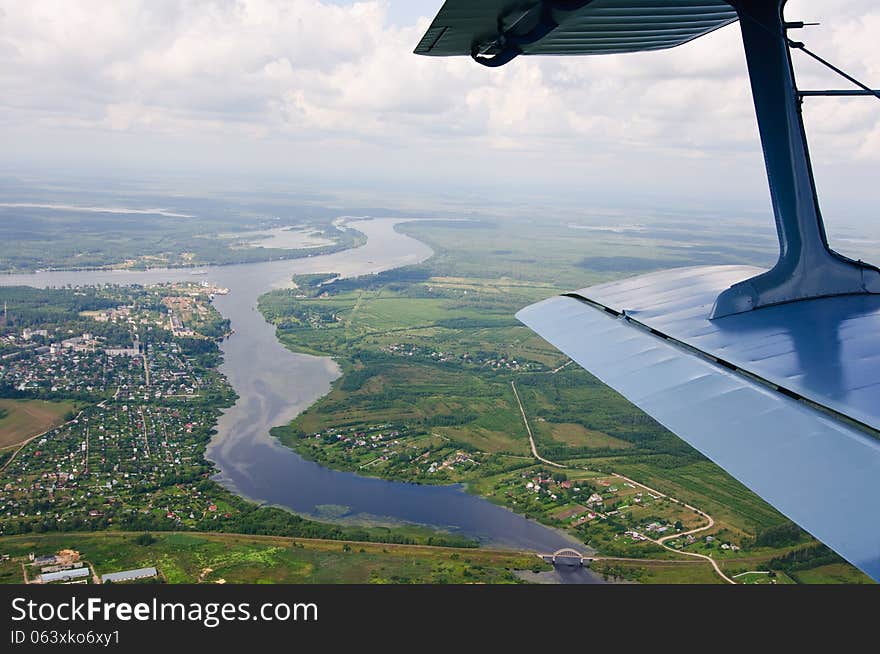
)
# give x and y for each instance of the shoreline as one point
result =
(302, 253)
(259, 469)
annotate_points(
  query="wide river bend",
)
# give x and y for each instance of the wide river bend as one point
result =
(275, 384)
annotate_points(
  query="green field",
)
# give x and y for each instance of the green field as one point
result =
(429, 353)
(574, 248)
(658, 572)
(236, 559)
(23, 419)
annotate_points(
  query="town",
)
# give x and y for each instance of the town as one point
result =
(144, 369)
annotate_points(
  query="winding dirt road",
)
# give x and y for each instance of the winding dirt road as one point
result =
(660, 541)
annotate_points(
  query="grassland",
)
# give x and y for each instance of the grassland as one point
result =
(838, 573)
(658, 572)
(574, 249)
(429, 354)
(237, 559)
(24, 419)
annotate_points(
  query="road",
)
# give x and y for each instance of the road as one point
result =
(660, 541)
(144, 428)
(146, 369)
(699, 556)
(529, 430)
(564, 365)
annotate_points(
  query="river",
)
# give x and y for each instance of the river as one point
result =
(274, 385)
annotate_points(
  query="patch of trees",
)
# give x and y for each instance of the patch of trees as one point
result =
(805, 558)
(781, 535)
(354, 379)
(216, 328)
(29, 307)
(400, 277)
(196, 346)
(9, 391)
(145, 539)
(287, 433)
(248, 519)
(205, 353)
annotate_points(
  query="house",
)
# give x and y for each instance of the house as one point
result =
(129, 575)
(64, 575)
(45, 559)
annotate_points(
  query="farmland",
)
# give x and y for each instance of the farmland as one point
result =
(23, 419)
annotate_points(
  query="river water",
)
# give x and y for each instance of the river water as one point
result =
(275, 384)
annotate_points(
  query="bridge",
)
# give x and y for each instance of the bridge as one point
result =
(566, 556)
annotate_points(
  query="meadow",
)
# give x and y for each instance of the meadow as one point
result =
(239, 559)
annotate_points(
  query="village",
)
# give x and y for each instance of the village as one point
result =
(135, 452)
(490, 360)
(395, 445)
(605, 507)
(80, 367)
(109, 465)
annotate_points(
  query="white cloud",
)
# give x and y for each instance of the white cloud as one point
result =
(271, 73)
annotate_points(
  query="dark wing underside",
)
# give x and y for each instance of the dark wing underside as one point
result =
(600, 27)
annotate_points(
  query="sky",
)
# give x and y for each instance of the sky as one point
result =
(330, 91)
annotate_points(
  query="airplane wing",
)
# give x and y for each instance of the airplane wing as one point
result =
(465, 27)
(785, 399)
(774, 375)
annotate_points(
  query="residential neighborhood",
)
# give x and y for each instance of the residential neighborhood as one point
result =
(135, 451)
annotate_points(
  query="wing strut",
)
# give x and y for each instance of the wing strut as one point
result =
(807, 267)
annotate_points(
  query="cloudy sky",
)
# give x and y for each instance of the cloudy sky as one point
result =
(329, 89)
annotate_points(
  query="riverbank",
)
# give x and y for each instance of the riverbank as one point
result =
(441, 386)
(273, 385)
(283, 250)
